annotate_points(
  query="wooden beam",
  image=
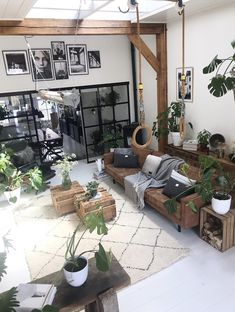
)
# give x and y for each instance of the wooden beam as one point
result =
(145, 51)
(68, 27)
(162, 80)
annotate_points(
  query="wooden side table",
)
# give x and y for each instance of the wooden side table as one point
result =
(63, 200)
(90, 294)
(217, 230)
(107, 201)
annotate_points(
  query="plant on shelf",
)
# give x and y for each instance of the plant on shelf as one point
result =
(168, 122)
(76, 266)
(111, 98)
(224, 79)
(214, 186)
(203, 138)
(12, 179)
(65, 166)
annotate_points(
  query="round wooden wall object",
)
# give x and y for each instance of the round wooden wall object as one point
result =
(149, 136)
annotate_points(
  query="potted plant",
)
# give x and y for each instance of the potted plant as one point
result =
(65, 166)
(214, 186)
(203, 138)
(224, 79)
(92, 188)
(112, 137)
(168, 122)
(76, 265)
(12, 179)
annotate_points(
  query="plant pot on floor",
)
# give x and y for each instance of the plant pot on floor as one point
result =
(176, 138)
(13, 197)
(221, 202)
(76, 276)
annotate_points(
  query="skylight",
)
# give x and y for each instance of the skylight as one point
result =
(96, 9)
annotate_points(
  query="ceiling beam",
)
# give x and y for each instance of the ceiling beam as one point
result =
(45, 27)
(145, 51)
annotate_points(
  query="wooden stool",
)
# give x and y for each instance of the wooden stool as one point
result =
(217, 230)
(84, 207)
(63, 200)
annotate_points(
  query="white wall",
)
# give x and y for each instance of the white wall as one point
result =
(115, 62)
(207, 34)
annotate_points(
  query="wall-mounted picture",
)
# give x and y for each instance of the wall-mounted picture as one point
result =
(61, 70)
(41, 64)
(77, 58)
(58, 50)
(16, 62)
(94, 59)
(188, 84)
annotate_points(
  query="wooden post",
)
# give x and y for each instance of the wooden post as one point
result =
(162, 79)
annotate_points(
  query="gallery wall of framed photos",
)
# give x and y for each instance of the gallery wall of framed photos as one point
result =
(57, 62)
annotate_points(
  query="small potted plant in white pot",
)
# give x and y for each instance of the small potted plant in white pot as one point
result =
(92, 189)
(12, 179)
(76, 265)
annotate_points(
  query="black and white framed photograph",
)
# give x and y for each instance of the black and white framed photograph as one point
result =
(77, 59)
(61, 70)
(94, 59)
(41, 64)
(188, 84)
(58, 50)
(16, 62)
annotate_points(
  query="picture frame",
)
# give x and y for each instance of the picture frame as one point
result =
(61, 70)
(58, 50)
(77, 59)
(16, 62)
(188, 84)
(94, 59)
(41, 64)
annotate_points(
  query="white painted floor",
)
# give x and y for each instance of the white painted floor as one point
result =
(202, 282)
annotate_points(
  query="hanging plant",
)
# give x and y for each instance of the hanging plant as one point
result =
(223, 81)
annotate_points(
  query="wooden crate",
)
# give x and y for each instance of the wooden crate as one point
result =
(63, 200)
(83, 208)
(222, 237)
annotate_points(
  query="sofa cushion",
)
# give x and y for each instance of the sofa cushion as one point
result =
(123, 151)
(175, 188)
(151, 165)
(125, 161)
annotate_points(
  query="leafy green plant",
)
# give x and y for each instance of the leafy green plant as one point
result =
(111, 98)
(91, 188)
(168, 120)
(224, 79)
(11, 178)
(91, 222)
(112, 137)
(203, 137)
(212, 180)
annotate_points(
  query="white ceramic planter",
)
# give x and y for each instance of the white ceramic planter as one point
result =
(176, 138)
(221, 206)
(78, 278)
(11, 194)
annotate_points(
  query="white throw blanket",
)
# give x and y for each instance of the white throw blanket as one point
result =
(136, 184)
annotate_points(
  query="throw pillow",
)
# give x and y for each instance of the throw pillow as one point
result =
(151, 165)
(174, 188)
(181, 178)
(125, 161)
(123, 151)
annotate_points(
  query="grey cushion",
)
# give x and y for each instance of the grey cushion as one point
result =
(123, 151)
(175, 188)
(151, 165)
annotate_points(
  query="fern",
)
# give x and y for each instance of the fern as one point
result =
(8, 301)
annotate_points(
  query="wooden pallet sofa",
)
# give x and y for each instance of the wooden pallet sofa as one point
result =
(183, 217)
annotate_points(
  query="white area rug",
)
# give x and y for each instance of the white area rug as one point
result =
(135, 238)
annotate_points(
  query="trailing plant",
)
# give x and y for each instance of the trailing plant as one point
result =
(168, 120)
(213, 180)
(93, 221)
(224, 79)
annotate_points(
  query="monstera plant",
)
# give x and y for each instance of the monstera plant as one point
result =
(224, 78)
